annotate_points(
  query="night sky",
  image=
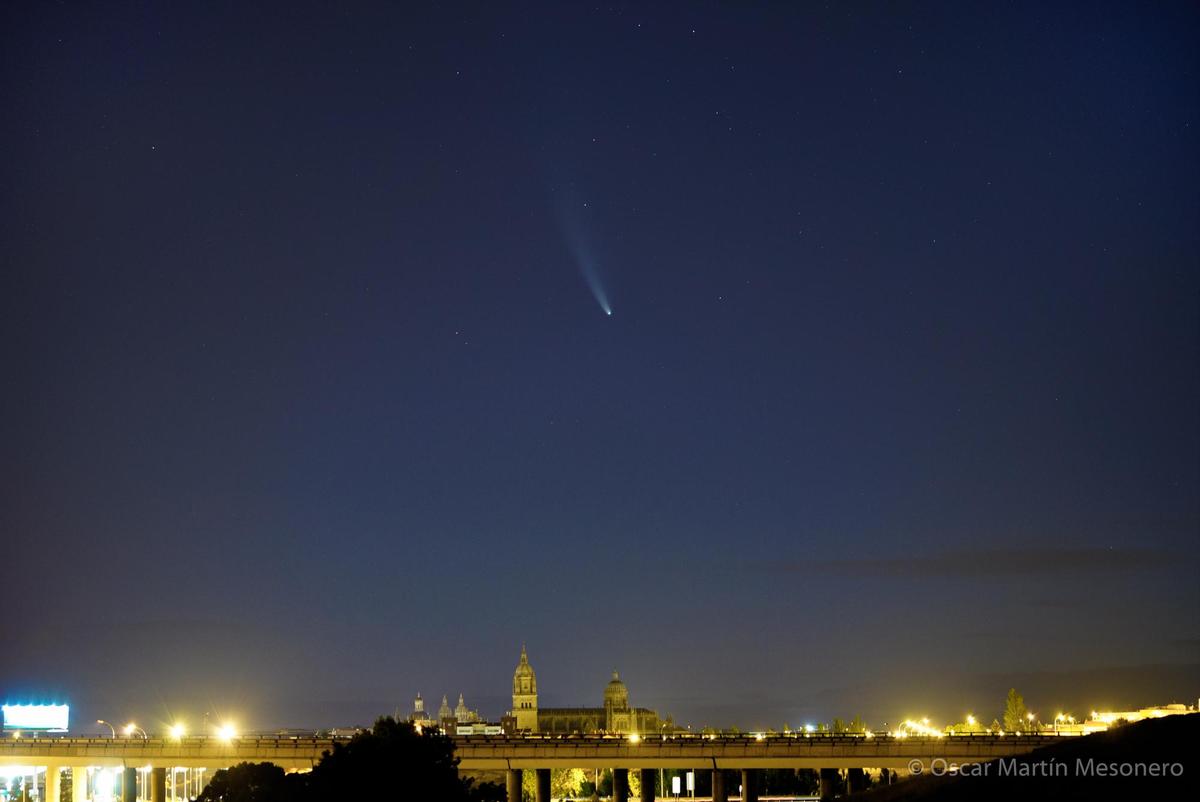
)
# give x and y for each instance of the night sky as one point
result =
(311, 400)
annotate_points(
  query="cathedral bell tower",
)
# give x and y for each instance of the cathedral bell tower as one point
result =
(525, 695)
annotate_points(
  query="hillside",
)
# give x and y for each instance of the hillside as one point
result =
(1076, 769)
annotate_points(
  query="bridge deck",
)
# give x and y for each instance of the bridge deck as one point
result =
(814, 752)
(491, 753)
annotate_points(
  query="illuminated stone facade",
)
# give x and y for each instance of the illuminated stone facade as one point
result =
(615, 716)
(525, 709)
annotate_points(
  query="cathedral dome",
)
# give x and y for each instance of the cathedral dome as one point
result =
(524, 680)
(615, 693)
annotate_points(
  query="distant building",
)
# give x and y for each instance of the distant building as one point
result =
(343, 732)
(464, 715)
(448, 719)
(1098, 722)
(418, 716)
(479, 728)
(615, 716)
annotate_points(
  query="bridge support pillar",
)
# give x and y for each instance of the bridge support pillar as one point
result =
(53, 787)
(749, 785)
(647, 777)
(79, 784)
(541, 791)
(512, 783)
(158, 785)
(719, 794)
(620, 785)
(129, 785)
(856, 780)
(830, 783)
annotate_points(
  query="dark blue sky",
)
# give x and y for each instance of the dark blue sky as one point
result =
(309, 406)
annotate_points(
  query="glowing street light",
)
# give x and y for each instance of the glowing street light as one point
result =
(131, 728)
(634, 737)
(226, 732)
(106, 724)
(970, 720)
(176, 731)
(920, 728)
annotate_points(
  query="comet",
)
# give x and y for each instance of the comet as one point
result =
(591, 276)
(578, 223)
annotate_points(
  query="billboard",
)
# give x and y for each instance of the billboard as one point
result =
(48, 718)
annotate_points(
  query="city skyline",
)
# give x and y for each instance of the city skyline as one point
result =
(947, 709)
(797, 361)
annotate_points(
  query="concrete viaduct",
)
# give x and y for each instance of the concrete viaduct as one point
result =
(140, 766)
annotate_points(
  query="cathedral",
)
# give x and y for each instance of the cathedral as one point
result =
(615, 716)
(447, 717)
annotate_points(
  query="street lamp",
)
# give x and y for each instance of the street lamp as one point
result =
(131, 728)
(106, 724)
(176, 731)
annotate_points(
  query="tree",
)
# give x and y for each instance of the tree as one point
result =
(605, 787)
(1014, 712)
(969, 727)
(251, 782)
(566, 782)
(391, 761)
(486, 791)
(789, 781)
(635, 783)
(563, 783)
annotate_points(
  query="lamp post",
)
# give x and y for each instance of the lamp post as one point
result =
(131, 728)
(106, 724)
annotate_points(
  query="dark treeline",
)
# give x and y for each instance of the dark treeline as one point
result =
(391, 761)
